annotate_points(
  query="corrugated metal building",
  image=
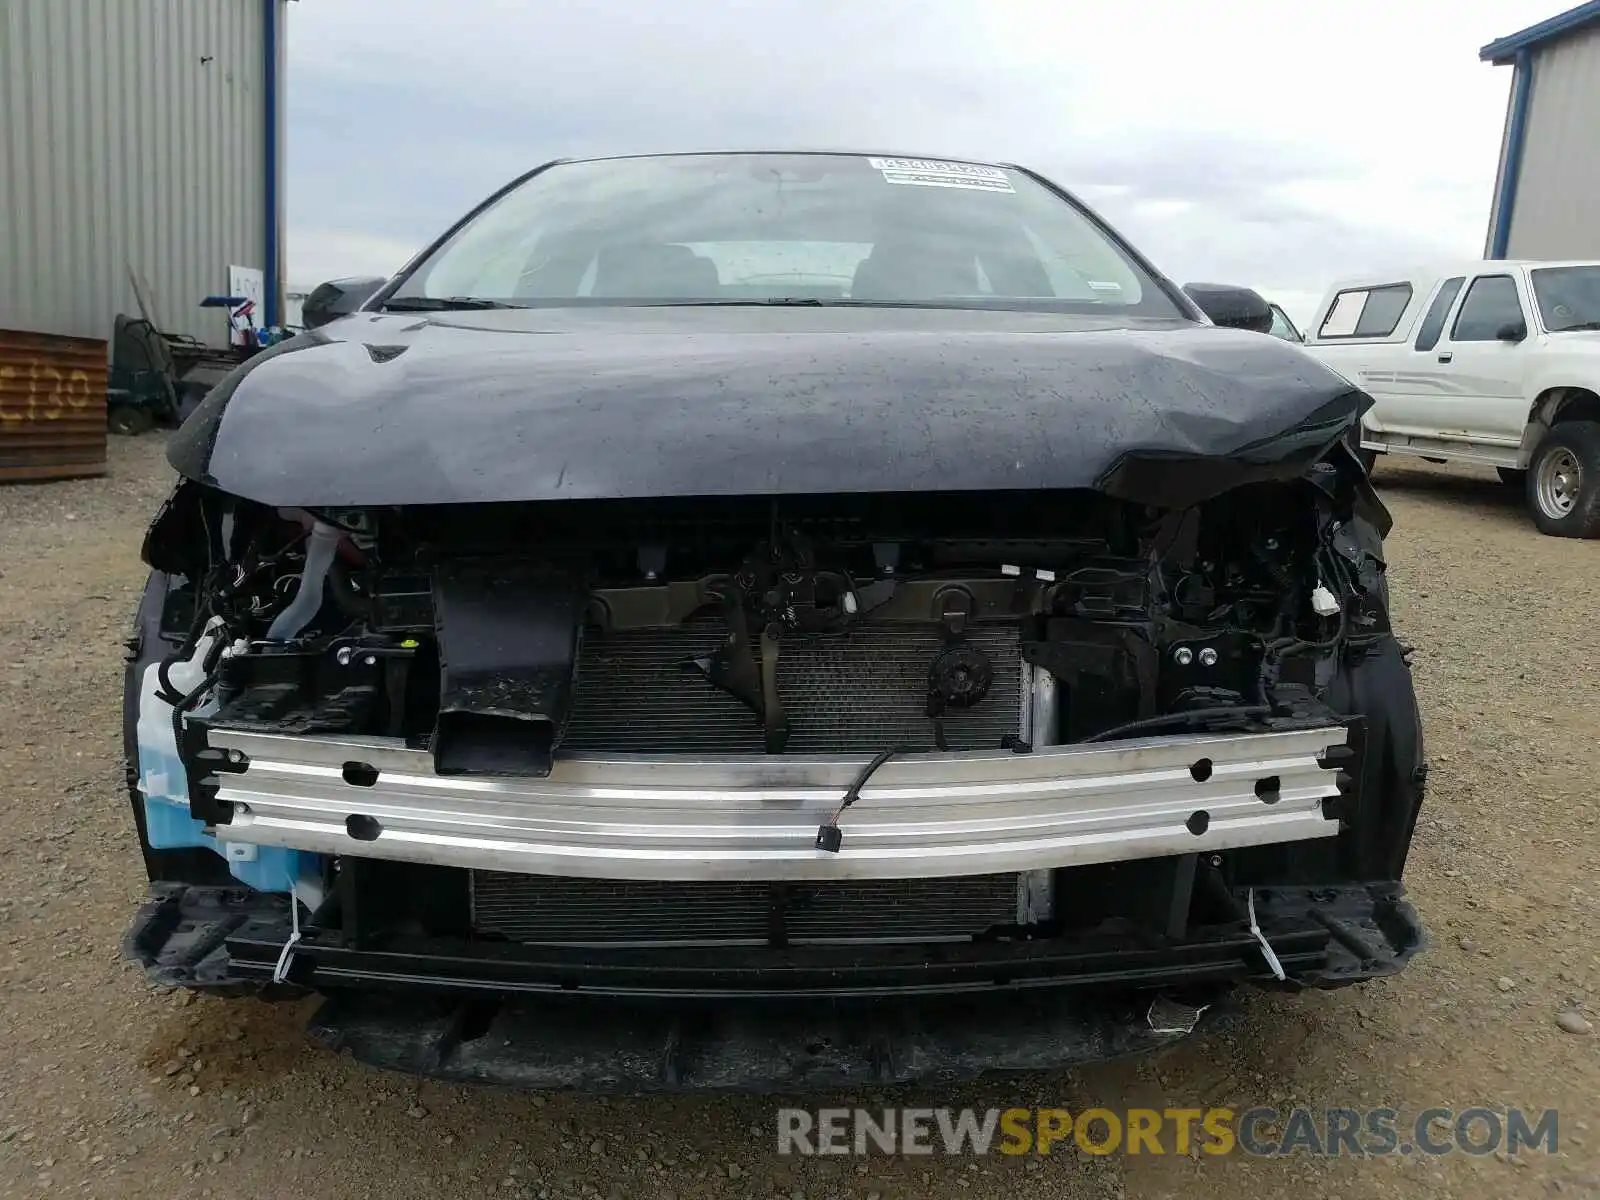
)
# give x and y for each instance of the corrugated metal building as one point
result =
(1547, 194)
(142, 134)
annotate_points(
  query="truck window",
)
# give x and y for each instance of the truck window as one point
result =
(1366, 312)
(1568, 297)
(1433, 322)
(1491, 303)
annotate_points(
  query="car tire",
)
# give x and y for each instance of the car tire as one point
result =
(1512, 477)
(1563, 484)
(128, 421)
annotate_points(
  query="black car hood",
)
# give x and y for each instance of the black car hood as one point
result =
(548, 404)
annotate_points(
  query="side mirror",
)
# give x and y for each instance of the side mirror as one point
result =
(1232, 307)
(338, 298)
(1512, 331)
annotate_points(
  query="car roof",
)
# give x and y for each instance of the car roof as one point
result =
(789, 153)
(1430, 273)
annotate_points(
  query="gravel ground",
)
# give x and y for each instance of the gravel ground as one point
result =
(114, 1089)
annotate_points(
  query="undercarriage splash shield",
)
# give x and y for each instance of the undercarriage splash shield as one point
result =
(508, 644)
(598, 1047)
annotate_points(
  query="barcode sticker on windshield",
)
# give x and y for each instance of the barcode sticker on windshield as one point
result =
(929, 172)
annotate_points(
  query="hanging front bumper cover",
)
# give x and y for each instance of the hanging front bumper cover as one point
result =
(755, 1019)
(782, 1016)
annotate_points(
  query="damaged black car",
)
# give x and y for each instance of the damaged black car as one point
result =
(771, 621)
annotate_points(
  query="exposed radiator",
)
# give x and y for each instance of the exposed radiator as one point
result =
(861, 691)
(551, 911)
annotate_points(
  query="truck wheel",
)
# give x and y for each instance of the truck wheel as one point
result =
(1564, 481)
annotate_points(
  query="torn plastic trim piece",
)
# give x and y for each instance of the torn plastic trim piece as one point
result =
(1168, 1017)
(508, 648)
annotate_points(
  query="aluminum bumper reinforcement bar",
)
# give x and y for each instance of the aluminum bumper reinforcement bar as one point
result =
(754, 817)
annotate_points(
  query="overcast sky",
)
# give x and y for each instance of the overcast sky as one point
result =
(1271, 144)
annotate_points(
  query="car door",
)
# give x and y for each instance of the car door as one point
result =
(1483, 361)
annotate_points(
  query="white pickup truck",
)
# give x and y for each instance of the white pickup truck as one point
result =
(1489, 362)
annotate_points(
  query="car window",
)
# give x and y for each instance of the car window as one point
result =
(703, 228)
(1343, 314)
(1283, 327)
(1491, 304)
(1433, 321)
(1382, 311)
(1366, 312)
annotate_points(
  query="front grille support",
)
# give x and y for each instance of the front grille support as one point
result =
(545, 910)
(1036, 889)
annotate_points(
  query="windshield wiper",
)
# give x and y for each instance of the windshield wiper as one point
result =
(442, 304)
(1578, 328)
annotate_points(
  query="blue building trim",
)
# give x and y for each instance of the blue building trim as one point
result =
(1506, 49)
(1511, 169)
(271, 267)
(1517, 49)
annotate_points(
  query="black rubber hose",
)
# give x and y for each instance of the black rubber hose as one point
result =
(166, 691)
(188, 702)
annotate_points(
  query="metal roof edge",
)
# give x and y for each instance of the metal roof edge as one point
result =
(1504, 50)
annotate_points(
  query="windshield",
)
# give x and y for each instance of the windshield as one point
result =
(1569, 297)
(771, 228)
